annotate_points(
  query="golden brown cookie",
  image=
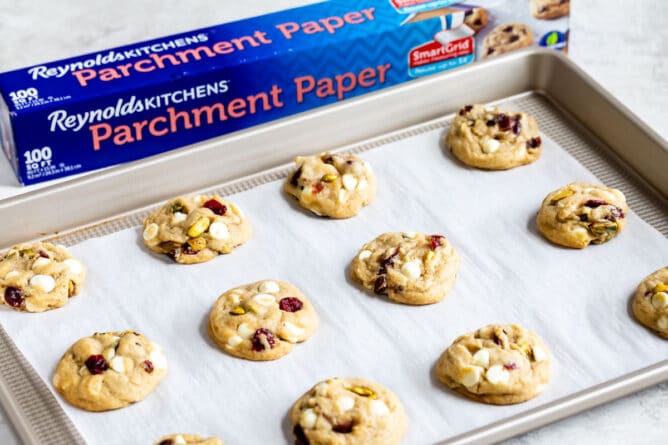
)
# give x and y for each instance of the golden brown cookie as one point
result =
(650, 303)
(195, 229)
(505, 38)
(109, 370)
(262, 320)
(549, 9)
(497, 364)
(410, 268)
(493, 139)
(334, 185)
(476, 19)
(582, 213)
(348, 411)
(187, 439)
(37, 277)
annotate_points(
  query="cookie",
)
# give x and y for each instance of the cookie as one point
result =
(334, 185)
(476, 19)
(505, 38)
(37, 277)
(348, 411)
(262, 320)
(493, 139)
(109, 370)
(497, 364)
(549, 9)
(650, 303)
(582, 213)
(410, 268)
(195, 229)
(187, 439)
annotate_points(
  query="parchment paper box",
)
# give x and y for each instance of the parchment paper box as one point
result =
(138, 100)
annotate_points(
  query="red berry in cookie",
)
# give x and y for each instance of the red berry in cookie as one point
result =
(215, 206)
(96, 364)
(290, 304)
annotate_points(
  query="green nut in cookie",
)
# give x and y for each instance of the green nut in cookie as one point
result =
(348, 411)
(37, 277)
(195, 229)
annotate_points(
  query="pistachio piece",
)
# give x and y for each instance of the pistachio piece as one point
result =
(238, 311)
(331, 177)
(561, 195)
(603, 228)
(177, 207)
(197, 243)
(363, 391)
(199, 227)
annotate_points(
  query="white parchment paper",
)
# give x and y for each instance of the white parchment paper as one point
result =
(576, 300)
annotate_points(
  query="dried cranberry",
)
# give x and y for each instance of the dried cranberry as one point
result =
(617, 213)
(318, 187)
(258, 344)
(533, 143)
(490, 51)
(508, 28)
(44, 254)
(187, 250)
(343, 428)
(300, 437)
(497, 340)
(513, 38)
(215, 206)
(387, 261)
(436, 241)
(167, 442)
(380, 285)
(465, 110)
(491, 123)
(504, 121)
(96, 364)
(14, 296)
(510, 366)
(290, 304)
(294, 179)
(593, 203)
(148, 366)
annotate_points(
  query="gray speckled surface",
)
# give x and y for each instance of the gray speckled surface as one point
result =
(624, 45)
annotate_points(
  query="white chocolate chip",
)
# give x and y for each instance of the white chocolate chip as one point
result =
(45, 283)
(659, 300)
(481, 358)
(662, 322)
(264, 299)
(158, 359)
(321, 389)
(538, 354)
(362, 184)
(271, 287)
(291, 332)
(364, 255)
(179, 440)
(179, 217)
(245, 330)
(40, 262)
(308, 419)
(343, 195)
(12, 274)
(219, 231)
(412, 269)
(496, 374)
(368, 167)
(234, 297)
(74, 266)
(379, 408)
(150, 232)
(109, 354)
(117, 364)
(234, 341)
(471, 375)
(490, 145)
(345, 403)
(349, 182)
(200, 199)
(410, 235)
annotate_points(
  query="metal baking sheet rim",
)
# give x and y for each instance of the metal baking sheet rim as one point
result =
(532, 70)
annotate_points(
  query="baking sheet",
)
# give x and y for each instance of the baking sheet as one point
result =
(576, 300)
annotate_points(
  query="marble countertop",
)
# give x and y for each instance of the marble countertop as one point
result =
(623, 45)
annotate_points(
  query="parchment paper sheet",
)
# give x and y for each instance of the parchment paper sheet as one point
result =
(576, 300)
